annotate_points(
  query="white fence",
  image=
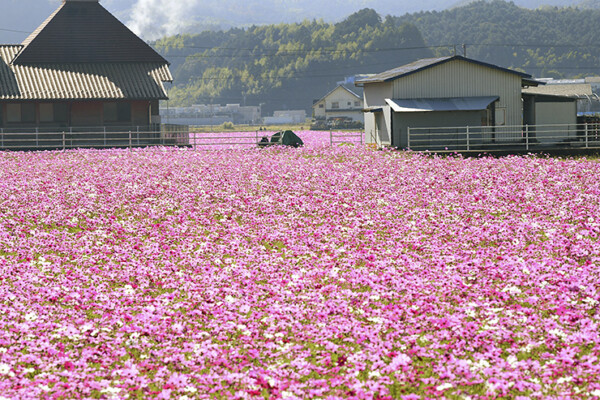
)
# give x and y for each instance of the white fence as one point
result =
(346, 137)
(504, 138)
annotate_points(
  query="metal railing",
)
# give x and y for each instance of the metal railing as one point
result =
(346, 137)
(103, 137)
(504, 138)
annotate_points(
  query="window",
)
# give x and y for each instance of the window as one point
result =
(24, 112)
(357, 103)
(46, 112)
(321, 105)
(335, 104)
(500, 116)
(117, 112)
(28, 112)
(61, 112)
(349, 103)
(13, 113)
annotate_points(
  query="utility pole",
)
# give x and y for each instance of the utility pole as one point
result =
(465, 50)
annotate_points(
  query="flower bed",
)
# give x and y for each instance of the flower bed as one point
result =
(318, 272)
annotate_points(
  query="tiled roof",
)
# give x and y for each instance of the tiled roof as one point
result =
(426, 63)
(83, 81)
(85, 32)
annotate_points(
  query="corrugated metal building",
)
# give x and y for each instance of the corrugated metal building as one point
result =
(81, 67)
(441, 92)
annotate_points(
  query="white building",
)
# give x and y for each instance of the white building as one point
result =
(341, 102)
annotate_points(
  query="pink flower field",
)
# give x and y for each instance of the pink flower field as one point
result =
(314, 273)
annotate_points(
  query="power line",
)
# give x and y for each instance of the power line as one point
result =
(13, 30)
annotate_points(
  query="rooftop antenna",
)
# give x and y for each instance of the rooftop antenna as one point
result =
(465, 50)
(454, 50)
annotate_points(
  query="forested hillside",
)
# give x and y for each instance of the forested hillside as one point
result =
(285, 65)
(289, 65)
(546, 42)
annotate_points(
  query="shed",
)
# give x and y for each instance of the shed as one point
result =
(441, 92)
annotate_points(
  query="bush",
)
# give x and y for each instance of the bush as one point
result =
(227, 125)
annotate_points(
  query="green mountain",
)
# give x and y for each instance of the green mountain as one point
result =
(285, 66)
(545, 42)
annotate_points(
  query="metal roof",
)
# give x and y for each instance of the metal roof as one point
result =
(577, 90)
(427, 63)
(82, 81)
(445, 104)
(85, 32)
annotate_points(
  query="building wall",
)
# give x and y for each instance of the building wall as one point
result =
(402, 121)
(374, 96)
(456, 78)
(460, 78)
(339, 103)
(555, 113)
(47, 115)
(357, 115)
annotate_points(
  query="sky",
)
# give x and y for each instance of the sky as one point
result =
(152, 19)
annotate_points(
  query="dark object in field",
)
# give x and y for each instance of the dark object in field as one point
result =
(264, 141)
(283, 138)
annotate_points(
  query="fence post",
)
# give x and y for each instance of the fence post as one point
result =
(64, 140)
(468, 140)
(104, 129)
(330, 138)
(138, 135)
(587, 133)
(129, 140)
(527, 137)
(2, 136)
(37, 137)
(408, 137)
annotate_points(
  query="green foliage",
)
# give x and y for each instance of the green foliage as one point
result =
(545, 42)
(285, 65)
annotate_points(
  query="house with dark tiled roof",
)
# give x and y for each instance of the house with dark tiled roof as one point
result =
(81, 68)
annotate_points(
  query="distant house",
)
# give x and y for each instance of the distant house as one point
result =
(454, 92)
(286, 117)
(341, 102)
(81, 68)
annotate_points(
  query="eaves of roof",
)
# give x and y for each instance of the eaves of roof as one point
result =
(424, 64)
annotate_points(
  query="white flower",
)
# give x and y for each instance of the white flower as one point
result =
(512, 290)
(230, 299)
(287, 395)
(128, 289)
(595, 393)
(190, 389)
(444, 386)
(563, 380)
(31, 316)
(375, 297)
(374, 374)
(4, 369)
